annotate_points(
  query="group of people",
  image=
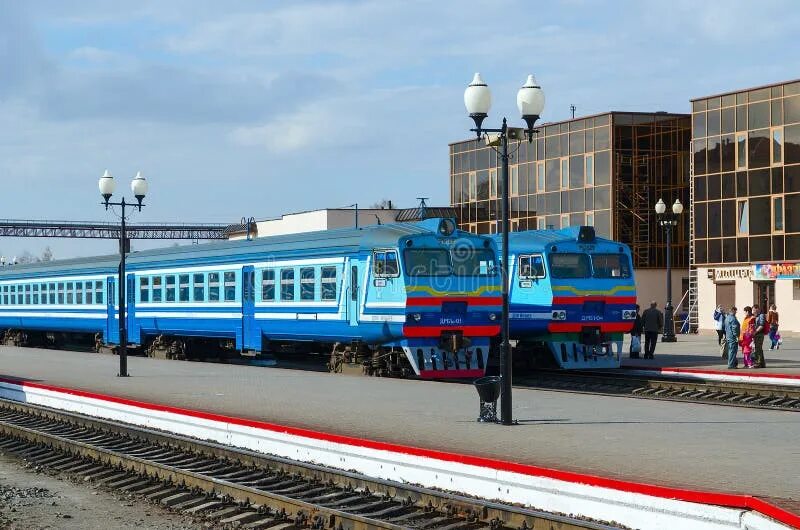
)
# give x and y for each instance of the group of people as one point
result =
(748, 334)
(651, 323)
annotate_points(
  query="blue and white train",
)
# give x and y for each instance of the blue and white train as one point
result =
(419, 298)
(572, 298)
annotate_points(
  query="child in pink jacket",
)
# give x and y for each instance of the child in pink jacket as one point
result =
(747, 347)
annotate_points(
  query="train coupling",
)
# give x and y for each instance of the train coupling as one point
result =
(453, 341)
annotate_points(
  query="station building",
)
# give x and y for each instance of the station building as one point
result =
(606, 170)
(745, 201)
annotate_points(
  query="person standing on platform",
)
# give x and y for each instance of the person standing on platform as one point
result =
(732, 330)
(758, 337)
(636, 336)
(653, 324)
(772, 321)
(748, 316)
(719, 324)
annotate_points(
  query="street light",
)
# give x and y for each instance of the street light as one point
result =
(139, 189)
(668, 221)
(530, 102)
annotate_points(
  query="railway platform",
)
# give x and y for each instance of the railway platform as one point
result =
(647, 445)
(698, 356)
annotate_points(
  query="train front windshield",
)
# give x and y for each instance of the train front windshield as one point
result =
(611, 266)
(444, 262)
(578, 265)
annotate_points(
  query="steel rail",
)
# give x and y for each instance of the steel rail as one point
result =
(146, 455)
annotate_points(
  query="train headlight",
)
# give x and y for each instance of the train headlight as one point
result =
(417, 317)
(492, 316)
(559, 315)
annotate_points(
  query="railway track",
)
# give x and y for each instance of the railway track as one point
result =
(735, 394)
(231, 487)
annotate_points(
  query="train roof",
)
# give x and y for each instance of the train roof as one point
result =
(537, 240)
(311, 243)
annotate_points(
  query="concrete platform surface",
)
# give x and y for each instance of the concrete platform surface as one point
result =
(706, 447)
(700, 351)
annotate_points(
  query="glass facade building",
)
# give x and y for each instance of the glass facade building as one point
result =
(606, 170)
(746, 175)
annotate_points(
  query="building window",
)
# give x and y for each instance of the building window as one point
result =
(213, 286)
(199, 287)
(540, 223)
(564, 173)
(267, 285)
(307, 283)
(328, 283)
(157, 291)
(493, 183)
(742, 222)
(777, 145)
(540, 177)
(144, 289)
(564, 221)
(287, 284)
(513, 178)
(589, 218)
(777, 214)
(229, 286)
(589, 170)
(741, 151)
(473, 186)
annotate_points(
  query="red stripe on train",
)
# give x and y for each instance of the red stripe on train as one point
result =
(441, 374)
(436, 331)
(438, 300)
(578, 300)
(577, 327)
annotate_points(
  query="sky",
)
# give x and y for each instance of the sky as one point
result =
(258, 108)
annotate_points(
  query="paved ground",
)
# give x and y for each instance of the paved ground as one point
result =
(699, 446)
(701, 351)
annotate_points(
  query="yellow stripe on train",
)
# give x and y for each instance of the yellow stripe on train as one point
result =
(433, 292)
(607, 292)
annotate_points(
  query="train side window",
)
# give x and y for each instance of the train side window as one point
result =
(230, 286)
(531, 266)
(199, 287)
(170, 284)
(144, 289)
(78, 293)
(5, 295)
(183, 288)
(354, 283)
(308, 283)
(13, 295)
(20, 295)
(52, 293)
(384, 264)
(158, 292)
(213, 286)
(60, 293)
(28, 294)
(328, 283)
(87, 287)
(267, 285)
(70, 293)
(287, 284)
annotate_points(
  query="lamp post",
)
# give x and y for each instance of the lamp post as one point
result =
(668, 221)
(530, 102)
(139, 189)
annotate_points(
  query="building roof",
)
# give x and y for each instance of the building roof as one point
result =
(789, 82)
(420, 213)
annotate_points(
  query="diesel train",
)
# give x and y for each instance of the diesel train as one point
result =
(572, 297)
(415, 298)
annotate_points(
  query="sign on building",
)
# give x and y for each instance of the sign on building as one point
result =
(776, 271)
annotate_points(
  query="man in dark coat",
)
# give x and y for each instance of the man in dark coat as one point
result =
(653, 324)
(636, 335)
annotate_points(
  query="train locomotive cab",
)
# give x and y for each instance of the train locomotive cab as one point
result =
(573, 297)
(453, 301)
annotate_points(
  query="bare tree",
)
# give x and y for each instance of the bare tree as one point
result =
(383, 204)
(26, 257)
(47, 254)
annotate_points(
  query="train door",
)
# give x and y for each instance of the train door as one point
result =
(130, 310)
(248, 308)
(112, 327)
(353, 296)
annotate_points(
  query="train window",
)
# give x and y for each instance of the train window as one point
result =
(199, 287)
(158, 293)
(13, 295)
(213, 286)
(230, 286)
(28, 294)
(611, 266)
(287, 284)
(98, 292)
(570, 265)
(170, 289)
(308, 283)
(52, 293)
(78, 293)
(385, 263)
(60, 293)
(469, 261)
(531, 266)
(88, 289)
(5, 295)
(267, 285)
(144, 289)
(427, 262)
(35, 288)
(328, 283)
(70, 293)
(183, 288)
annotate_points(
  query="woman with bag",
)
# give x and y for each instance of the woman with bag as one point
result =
(636, 336)
(772, 321)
